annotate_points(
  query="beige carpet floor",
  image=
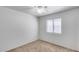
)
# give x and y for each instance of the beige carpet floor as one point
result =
(40, 46)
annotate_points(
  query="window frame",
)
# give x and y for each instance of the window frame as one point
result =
(54, 25)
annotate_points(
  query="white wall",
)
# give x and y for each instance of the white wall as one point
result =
(16, 28)
(70, 29)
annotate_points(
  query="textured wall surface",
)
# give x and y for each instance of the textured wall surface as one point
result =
(70, 29)
(16, 28)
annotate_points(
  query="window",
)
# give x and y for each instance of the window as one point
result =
(54, 25)
(50, 26)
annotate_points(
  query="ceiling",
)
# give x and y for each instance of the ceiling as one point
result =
(49, 9)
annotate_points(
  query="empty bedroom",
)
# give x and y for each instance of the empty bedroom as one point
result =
(39, 29)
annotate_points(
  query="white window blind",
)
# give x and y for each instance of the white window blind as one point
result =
(54, 25)
(49, 27)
